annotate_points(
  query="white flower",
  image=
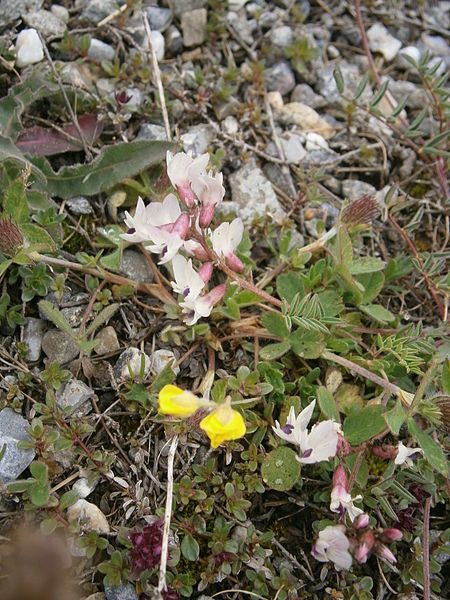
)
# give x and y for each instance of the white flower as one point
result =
(318, 445)
(403, 454)
(210, 192)
(342, 501)
(182, 169)
(29, 49)
(187, 281)
(164, 243)
(332, 545)
(227, 237)
(141, 226)
(195, 308)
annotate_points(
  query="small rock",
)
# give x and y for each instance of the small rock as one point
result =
(280, 78)
(380, 40)
(151, 131)
(10, 10)
(76, 75)
(436, 44)
(29, 49)
(353, 189)
(160, 359)
(105, 87)
(121, 592)
(275, 100)
(409, 52)
(74, 397)
(297, 113)
(33, 332)
(159, 18)
(230, 125)
(83, 488)
(244, 28)
(135, 99)
(351, 76)
(132, 360)
(417, 96)
(282, 36)
(135, 267)
(333, 52)
(99, 51)
(13, 429)
(96, 10)
(107, 341)
(180, 7)
(226, 108)
(280, 177)
(89, 516)
(314, 141)
(253, 194)
(46, 23)
(305, 94)
(74, 314)
(174, 40)
(59, 347)
(158, 43)
(292, 146)
(197, 139)
(193, 26)
(79, 205)
(60, 12)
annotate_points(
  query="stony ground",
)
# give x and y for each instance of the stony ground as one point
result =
(274, 91)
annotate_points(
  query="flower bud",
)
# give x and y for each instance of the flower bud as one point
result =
(361, 521)
(11, 238)
(340, 477)
(364, 548)
(234, 262)
(206, 215)
(217, 293)
(343, 447)
(186, 194)
(384, 553)
(391, 535)
(206, 271)
(181, 226)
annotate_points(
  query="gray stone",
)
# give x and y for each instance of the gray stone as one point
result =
(292, 147)
(151, 131)
(159, 18)
(197, 139)
(79, 205)
(46, 23)
(230, 125)
(380, 40)
(96, 10)
(107, 341)
(401, 60)
(436, 44)
(132, 360)
(417, 96)
(353, 189)
(10, 10)
(182, 6)
(135, 267)
(280, 178)
(99, 51)
(305, 94)
(74, 314)
(60, 12)
(59, 347)
(352, 77)
(282, 36)
(253, 194)
(89, 516)
(225, 109)
(76, 75)
(305, 117)
(121, 592)
(280, 78)
(13, 429)
(193, 26)
(135, 98)
(243, 28)
(174, 40)
(75, 397)
(33, 332)
(160, 359)
(83, 488)
(105, 87)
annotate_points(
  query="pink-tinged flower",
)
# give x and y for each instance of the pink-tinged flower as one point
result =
(315, 446)
(141, 226)
(206, 271)
(332, 545)
(225, 239)
(341, 500)
(384, 553)
(210, 192)
(195, 249)
(391, 534)
(196, 308)
(365, 547)
(187, 282)
(182, 169)
(164, 243)
(361, 521)
(403, 454)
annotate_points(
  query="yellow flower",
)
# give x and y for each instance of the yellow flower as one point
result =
(223, 424)
(177, 402)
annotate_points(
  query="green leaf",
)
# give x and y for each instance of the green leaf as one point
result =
(39, 470)
(288, 285)
(40, 495)
(395, 418)
(48, 525)
(15, 202)
(366, 264)
(54, 315)
(68, 499)
(281, 469)
(307, 344)
(274, 351)
(366, 423)
(361, 87)
(339, 79)
(372, 283)
(327, 404)
(8, 152)
(431, 450)
(38, 238)
(379, 95)
(190, 548)
(378, 313)
(110, 167)
(275, 324)
(446, 377)
(343, 254)
(103, 316)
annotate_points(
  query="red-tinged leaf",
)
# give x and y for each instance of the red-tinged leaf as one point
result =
(42, 141)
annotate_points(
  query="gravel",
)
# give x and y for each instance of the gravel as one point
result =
(13, 429)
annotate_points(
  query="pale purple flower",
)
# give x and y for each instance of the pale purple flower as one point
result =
(315, 446)
(225, 239)
(404, 453)
(187, 282)
(210, 192)
(182, 169)
(141, 226)
(341, 500)
(332, 545)
(196, 308)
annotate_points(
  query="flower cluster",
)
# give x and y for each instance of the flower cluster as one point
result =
(222, 424)
(147, 547)
(179, 226)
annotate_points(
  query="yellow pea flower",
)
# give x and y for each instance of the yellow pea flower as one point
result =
(223, 424)
(178, 403)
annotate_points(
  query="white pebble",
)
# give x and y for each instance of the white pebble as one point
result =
(29, 48)
(61, 12)
(380, 40)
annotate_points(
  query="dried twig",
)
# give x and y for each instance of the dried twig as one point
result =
(162, 584)
(426, 549)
